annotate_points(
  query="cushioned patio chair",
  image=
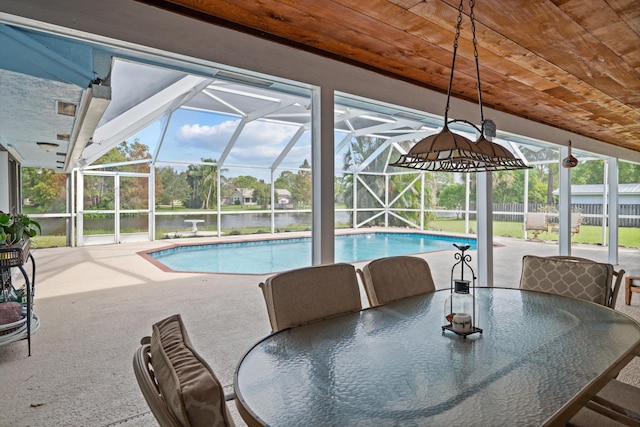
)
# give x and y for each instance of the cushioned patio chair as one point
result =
(576, 220)
(617, 404)
(309, 294)
(536, 222)
(393, 278)
(178, 385)
(615, 284)
(572, 276)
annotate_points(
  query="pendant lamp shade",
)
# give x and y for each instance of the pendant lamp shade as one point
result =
(450, 152)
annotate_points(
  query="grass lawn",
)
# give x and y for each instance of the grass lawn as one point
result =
(628, 237)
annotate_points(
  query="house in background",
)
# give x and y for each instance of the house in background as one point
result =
(283, 198)
(589, 199)
(592, 194)
(243, 197)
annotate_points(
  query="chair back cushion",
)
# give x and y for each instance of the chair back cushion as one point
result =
(590, 281)
(392, 278)
(188, 385)
(309, 294)
(536, 220)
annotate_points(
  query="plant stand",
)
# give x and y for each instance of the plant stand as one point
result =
(12, 256)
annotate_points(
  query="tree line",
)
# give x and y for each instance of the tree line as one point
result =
(448, 191)
(196, 187)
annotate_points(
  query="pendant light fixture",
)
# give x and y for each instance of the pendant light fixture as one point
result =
(569, 161)
(450, 152)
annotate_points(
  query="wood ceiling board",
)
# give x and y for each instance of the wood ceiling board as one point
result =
(406, 4)
(343, 41)
(579, 53)
(608, 27)
(488, 62)
(509, 50)
(621, 40)
(570, 69)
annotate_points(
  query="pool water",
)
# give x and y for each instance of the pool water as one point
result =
(268, 256)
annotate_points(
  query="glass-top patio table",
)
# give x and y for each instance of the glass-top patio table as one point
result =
(538, 361)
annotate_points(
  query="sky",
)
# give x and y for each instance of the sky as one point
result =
(193, 135)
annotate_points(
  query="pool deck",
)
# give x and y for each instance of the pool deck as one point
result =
(96, 302)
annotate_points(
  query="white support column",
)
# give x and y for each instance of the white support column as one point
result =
(422, 183)
(564, 208)
(151, 183)
(484, 208)
(605, 208)
(467, 188)
(613, 210)
(354, 196)
(526, 203)
(272, 197)
(116, 205)
(4, 181)
(322, 176)
(80, 208)
(386, 200)
(69, 209)
(219, 203)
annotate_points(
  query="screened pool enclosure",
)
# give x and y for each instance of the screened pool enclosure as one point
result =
(232, 153)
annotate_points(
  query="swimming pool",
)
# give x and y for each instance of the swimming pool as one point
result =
(268, 256)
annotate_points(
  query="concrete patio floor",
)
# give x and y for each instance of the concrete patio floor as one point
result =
(95, 303)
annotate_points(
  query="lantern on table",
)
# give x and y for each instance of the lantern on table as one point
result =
(460, 307)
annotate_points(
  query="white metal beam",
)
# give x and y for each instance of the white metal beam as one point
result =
(95, 100)
(142, 115)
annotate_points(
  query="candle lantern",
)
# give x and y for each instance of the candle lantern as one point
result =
(460, 307)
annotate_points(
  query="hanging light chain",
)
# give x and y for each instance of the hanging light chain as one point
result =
(458, 24)
(453, 61)
(472, 3)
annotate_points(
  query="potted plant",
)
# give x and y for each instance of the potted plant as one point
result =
(17, 227)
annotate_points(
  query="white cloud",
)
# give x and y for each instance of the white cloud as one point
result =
(260, 143)
(266, 133)
(203, 135)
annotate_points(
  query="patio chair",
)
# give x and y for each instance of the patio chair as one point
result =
(537, 223)
(309, 294)
(617, 404)
(576, 220)
(178, 385)
(615, 282)
(631, 286)
(572, 276)
(393, 278)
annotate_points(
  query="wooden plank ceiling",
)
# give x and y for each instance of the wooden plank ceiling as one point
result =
(572, 64)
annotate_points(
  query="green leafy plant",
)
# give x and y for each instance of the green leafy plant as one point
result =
(17, 227)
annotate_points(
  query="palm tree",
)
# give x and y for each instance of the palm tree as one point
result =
(203, 179)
